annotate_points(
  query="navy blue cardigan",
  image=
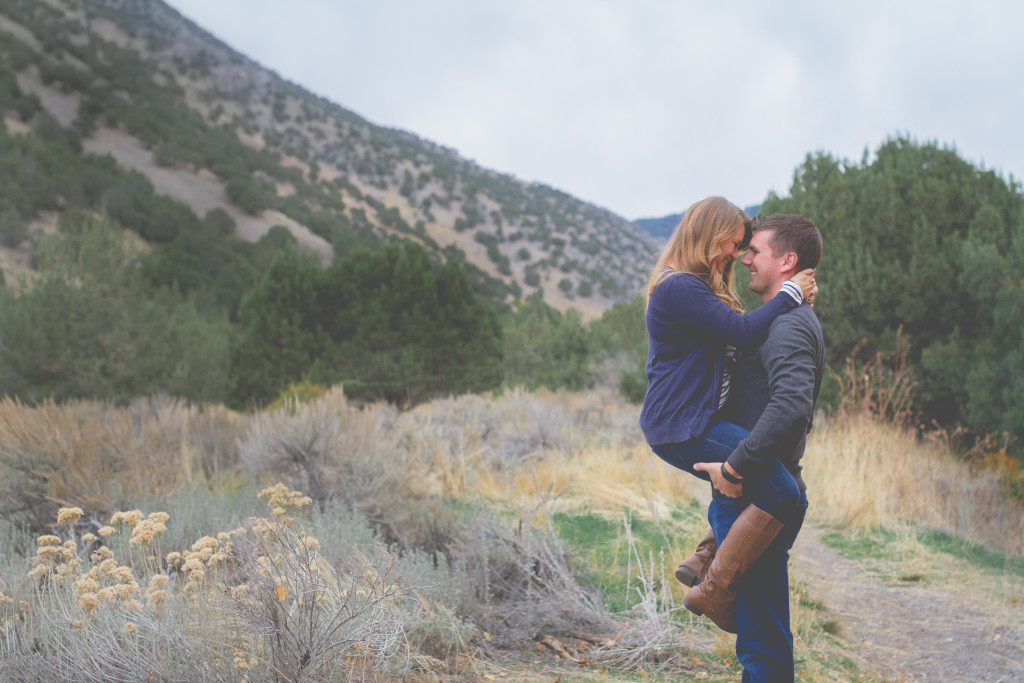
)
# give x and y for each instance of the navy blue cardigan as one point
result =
(688, 328)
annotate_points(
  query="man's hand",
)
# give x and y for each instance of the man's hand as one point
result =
(714, 470)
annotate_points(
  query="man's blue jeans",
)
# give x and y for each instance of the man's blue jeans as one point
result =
(764, 641)
(774, 489)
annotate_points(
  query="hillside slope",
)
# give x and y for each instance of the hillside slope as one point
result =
(214, 130)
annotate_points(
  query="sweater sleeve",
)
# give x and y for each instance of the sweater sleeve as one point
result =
(689, 300)
(788, 356)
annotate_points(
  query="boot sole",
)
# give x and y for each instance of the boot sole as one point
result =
(728, 628)
(690, 606)
(687, 577)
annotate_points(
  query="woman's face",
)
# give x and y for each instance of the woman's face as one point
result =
(730, 250)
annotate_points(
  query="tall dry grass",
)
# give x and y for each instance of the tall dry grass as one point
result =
(328, 449)
(862, 472)
(866, 466)
(99, 456)
(85, 453)
(863, 466)
(462, 491)
(469, 571)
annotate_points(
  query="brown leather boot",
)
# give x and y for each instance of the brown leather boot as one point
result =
(751, 534)
(691, 571)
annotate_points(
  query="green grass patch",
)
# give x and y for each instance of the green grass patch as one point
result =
(602, 560)
(971, 552)
(888, 545)
(602, 554)
(863, 545)
(690, 512)
(601, 551)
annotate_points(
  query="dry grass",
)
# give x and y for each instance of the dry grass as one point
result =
(867, 473)
(214, 433)
(465, 490)
(88, 454)
(328, 448)
(869, 469)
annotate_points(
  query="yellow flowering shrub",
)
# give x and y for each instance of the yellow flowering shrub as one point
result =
(68, 515)
(240, 585)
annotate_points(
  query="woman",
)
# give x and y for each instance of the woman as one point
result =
(695, 323)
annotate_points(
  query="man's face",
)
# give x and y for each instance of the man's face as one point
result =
(765, 270)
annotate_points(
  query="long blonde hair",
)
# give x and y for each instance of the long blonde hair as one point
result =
(696, 241)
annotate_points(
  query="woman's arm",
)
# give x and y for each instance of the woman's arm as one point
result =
(686, 299)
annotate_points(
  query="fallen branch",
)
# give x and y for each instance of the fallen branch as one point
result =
(561, 649)
(594, 638)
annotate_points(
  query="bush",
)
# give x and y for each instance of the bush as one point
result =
(13, 229)
(250, 194)
(219, 222)
(633, 383)
(89, 326)
(296, 394)
(278, 340)
(87, 454)
(526, 586)
(326, 448)
(260, 601)
(317, 615)
(947, 282)
(545, 348)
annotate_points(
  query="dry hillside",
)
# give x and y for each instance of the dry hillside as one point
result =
(141, 83)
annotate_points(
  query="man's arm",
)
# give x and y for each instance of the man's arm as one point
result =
(788, 356)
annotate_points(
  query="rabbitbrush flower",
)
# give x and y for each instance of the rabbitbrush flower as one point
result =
(69, 515)
(130, 518)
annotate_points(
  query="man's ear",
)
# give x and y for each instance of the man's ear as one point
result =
(789, 263)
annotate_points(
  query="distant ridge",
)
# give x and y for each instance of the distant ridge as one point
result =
(661, 228)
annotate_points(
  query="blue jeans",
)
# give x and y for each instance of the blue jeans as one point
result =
(764, 641)
(774, 490)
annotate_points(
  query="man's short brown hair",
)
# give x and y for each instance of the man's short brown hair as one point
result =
(792, 233)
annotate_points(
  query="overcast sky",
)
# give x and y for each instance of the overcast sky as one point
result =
(645, 106)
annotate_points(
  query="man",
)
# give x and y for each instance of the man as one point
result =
(773, 394)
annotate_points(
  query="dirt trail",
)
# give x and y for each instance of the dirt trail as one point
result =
(915, 632)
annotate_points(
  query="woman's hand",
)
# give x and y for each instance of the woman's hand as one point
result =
(805, 281)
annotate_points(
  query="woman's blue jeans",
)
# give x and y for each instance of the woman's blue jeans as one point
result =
(774, 489)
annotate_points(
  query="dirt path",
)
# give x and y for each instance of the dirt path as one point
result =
(947, 630)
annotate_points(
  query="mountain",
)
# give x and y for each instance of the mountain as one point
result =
(210, 129)
(661, 228)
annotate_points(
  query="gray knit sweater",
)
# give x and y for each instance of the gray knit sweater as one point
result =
(774, 391)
